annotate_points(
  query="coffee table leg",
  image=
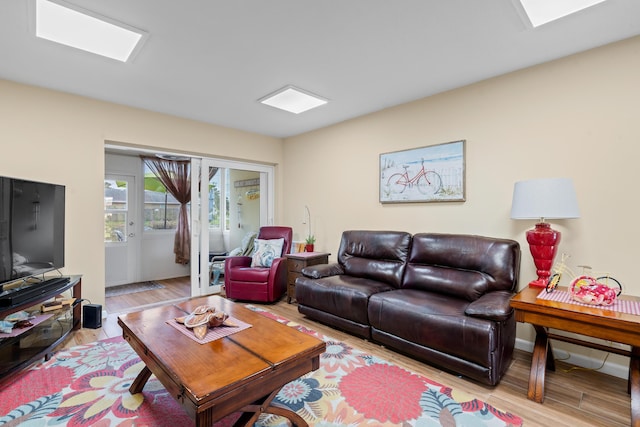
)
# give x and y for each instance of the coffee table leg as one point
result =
(542, 359)
(252, 412)
(140, 381)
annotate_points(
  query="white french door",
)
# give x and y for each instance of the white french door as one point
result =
(121, 231)
(234, 199)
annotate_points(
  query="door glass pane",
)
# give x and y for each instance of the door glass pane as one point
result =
(115, 211)
(115, 195)
(115, 226)
(215, 198)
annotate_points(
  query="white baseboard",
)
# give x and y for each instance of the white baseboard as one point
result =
(609, 368)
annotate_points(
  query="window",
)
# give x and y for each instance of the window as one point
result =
(219, 199)
(160, 208)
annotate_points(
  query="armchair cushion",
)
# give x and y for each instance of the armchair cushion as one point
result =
(266, 251)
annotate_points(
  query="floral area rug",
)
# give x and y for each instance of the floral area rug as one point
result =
(88, 385)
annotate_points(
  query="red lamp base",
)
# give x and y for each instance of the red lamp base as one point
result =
(543, 243)
(538, 283)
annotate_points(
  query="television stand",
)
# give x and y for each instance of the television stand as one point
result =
(21, 351)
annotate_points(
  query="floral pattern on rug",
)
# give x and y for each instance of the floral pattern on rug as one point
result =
(88, 385)
(361, 389)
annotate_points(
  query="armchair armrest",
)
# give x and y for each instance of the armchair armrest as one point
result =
(322, 270)
(493, 305)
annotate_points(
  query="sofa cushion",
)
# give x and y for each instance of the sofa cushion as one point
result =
(343, 296)
(375, 255)
(435, 321)
(462, 266)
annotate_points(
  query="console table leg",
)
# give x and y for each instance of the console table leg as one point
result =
(634, 386)
(140, 381)
(539, 360)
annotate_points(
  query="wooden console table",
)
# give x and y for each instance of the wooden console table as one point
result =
(296, 262)
(18, 352)
(596, 322)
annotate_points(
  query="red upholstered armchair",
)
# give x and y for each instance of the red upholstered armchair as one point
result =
(250, 278)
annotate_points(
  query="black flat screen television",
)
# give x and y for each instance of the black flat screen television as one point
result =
(31, 228)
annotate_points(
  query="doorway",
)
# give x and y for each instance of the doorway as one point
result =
(230, 207)
(235, 203)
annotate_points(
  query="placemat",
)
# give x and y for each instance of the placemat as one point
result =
(621, 305)
(213, 333)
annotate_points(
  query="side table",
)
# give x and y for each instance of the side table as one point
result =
(589, 321)
(296, 262)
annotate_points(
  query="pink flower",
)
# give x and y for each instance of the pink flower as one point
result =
(393, 394)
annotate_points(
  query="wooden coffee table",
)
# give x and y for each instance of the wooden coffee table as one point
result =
(241, 372)
(597, 322)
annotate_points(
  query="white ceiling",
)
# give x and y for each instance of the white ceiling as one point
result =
(211, 60)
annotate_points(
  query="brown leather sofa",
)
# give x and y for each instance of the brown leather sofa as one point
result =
(440, 298)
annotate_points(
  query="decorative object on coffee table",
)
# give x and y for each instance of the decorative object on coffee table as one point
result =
(203, 318)
(542, 199)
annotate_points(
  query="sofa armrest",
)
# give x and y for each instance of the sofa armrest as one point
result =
(322, 270)
(493, 305)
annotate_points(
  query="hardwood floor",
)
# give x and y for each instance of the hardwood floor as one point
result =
(573, 398)
(173, 290)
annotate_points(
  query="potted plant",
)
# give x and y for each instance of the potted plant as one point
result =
(309, 243)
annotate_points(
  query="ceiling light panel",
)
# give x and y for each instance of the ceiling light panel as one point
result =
(542, 11)
(293, 100)
(57, 22)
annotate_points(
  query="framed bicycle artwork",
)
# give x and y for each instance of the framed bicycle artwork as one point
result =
(435, 173)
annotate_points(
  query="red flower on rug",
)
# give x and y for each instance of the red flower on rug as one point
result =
(384, 384)
(41, 382)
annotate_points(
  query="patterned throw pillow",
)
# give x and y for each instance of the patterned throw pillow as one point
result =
(266, 251)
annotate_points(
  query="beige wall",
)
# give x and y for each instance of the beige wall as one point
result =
(576, 117)
(56, 137)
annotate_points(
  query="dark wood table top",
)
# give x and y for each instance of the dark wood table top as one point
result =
(594, 321)
(227, 373)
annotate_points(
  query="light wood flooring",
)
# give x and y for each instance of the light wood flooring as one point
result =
(576, 398)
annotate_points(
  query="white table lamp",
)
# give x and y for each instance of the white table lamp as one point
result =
(542, 199)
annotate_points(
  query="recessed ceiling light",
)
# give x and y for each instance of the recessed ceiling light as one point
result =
(293, 100)
(68, 25)
(542, 11)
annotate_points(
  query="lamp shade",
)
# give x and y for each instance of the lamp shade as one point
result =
(547, 198)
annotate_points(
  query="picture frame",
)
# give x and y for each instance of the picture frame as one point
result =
(434, 173)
